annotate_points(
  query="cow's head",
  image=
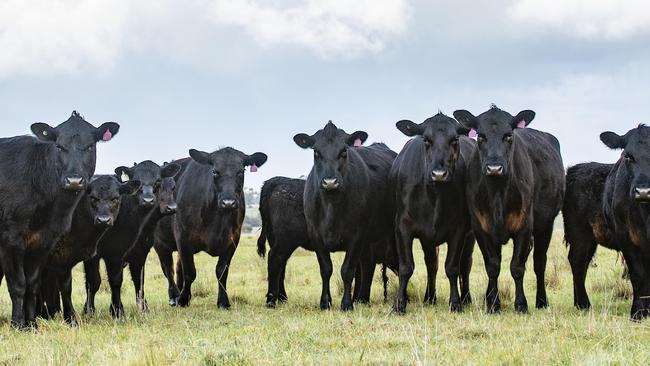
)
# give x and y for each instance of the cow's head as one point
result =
(73, 142)
(105, 197)
(150, 176)
(635, 159)
(330, 145)
(439, 136)
(166, 202)
(495, 130)
(228, 167)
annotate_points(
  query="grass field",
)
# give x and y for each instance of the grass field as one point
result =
(299, 333)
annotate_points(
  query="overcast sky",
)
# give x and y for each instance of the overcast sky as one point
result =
(252, 73)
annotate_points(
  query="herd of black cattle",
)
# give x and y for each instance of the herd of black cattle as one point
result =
(486, 178)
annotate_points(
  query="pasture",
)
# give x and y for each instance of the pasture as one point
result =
(299, 333)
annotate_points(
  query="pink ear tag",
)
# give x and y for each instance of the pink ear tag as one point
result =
(357, 143)
(472, 134)
(253, 168)
(107, 135)
(522, 124)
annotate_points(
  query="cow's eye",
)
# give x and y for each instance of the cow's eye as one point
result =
(215, 173)
(94, 200)
(427, 142)
(481, 138)
(90, 148)
(508, 138)
(60, 148)
(629, 157)
(316, 154)
(343, 154)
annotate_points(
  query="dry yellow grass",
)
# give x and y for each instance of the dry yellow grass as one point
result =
(299, 333)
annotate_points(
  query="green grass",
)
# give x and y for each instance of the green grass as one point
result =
(299, 333)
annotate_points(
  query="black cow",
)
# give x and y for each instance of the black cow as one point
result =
(428, 180)
(137, 255)
(116, 243)
(626, 207)
(211, 210)
(515, 190)
(96, 212)
(285, 228)
(41, 183)
(585, 225)
(346, 203)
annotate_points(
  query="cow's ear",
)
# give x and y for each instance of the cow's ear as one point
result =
(357, 138)
(409, 128)
(123, 173)
(201, 157)
(466, 119)
(462, 130)
(130, 188)
(170, 170)
(522, 119)
(258, 159)
(303, 140)
(44, 132)
(612, 140)
(106, 131)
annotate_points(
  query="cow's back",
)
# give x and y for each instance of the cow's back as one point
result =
(544, 152)
(583, 203)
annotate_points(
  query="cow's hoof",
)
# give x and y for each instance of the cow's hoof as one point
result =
(399, 309)
(117, 312)
(347, 306)
(541, 303)
(143, 306)
(325, 305)
(271, 304)
(455, 307)
(223, 305)
(467, 300)
(183, 301)
(521, 308)
(173, 302)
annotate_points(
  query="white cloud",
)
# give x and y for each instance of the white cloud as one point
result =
(330, 28)
(609, 19)
(41, 36)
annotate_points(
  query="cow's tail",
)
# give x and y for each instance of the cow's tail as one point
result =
(384, 278)
(261, 242)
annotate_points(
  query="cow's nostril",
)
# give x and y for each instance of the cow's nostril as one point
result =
(104, 220)
(642, 193)
(228, 203)
(439, 175)
(330, 183)
(494, 170)
(74, 182)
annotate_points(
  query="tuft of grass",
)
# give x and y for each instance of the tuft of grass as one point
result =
(299, 333)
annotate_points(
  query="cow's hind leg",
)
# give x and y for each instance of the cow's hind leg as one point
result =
(11, 260)
(431, 262)
(115, 272)
(466, 261)
(222, 269)
(542, 240)
(581, 251)
(93, 281)
(518, 268)
(278, 258)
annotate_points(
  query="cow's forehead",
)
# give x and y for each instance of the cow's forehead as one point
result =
(104, 186)
(146, 172)
(440, 127)
(228, 158)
